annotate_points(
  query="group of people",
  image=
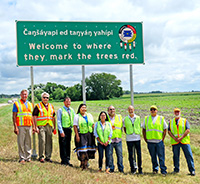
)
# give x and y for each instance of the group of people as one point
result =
(107, 131)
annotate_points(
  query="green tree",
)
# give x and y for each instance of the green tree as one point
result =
(102, 86)
(37, 95)
(50, 88)
(58, 94)
(74, 92)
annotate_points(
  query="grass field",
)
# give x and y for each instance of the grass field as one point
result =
(12, 172)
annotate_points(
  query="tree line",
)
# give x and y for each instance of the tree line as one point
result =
(99, 86)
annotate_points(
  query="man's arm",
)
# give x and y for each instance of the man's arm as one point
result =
(35, 123)
(164, 134)
(76, 133)
(59, 123)
(54, 122)
(185, 134)
(16, 130)
(144, 134)
(172, 136)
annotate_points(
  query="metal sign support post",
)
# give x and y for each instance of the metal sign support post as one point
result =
(34, 155)
(83, 84)
(131, 84)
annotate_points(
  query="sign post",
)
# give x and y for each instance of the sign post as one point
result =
(83, 84)
(34, 155)
(131, 85)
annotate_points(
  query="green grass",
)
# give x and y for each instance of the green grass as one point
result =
(4, 100)
(12, 172)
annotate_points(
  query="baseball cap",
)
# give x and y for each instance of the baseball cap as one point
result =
(177, 109)
(153, 107)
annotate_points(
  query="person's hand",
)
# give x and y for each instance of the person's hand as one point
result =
(176, 139)
(106, 144)
(113, 127)
(16, 131)
(54, 131)
(179, 139)
(33, 130)
(37, 130)
(77, 138)
(62, 134)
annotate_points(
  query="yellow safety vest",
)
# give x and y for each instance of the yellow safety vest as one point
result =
(178, 131)
(154, 131)
(67, 120)
(85, 127)
(130, 129)
(45, 117)
(117, 132)
(24, 115)
(103, 134)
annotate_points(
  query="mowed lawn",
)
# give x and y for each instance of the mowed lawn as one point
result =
(35, 172)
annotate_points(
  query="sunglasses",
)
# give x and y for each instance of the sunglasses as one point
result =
(45, 97)
(152, 109)
(111, 109)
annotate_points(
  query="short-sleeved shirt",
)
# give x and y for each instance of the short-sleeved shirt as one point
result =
(36, 110)
(103, 127)
(154, 120)
(187, 126)
(15, 107)
(132, 137)
(76, 119)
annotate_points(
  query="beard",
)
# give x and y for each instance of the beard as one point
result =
(178, 116)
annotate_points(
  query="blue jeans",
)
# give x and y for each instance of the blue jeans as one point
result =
(101, 149)
(132, 146)
(157, 149)
(118, 150)
(188, 155)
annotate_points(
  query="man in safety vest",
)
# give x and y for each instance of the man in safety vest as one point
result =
(22, 121)
(65, 118)
(132, 128)
(178, 130)
(154, 132)
(44, 119)
(116, 123)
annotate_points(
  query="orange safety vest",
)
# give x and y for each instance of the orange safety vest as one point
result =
(24, 114)
(45, 117)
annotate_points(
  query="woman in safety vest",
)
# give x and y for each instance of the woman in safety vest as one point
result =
(84, 138)
(103, 133)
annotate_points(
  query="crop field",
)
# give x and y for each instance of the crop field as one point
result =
(35, 172)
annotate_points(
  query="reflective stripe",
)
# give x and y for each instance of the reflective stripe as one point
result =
(43, 118)
(20, 107)
(21, 121)
(118, 128)
(24, 114)
(154, 130)
(41, 111)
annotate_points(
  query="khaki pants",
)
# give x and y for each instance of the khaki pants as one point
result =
(45, 141)
(24, 142)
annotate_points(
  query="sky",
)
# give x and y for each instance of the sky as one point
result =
(170, 33)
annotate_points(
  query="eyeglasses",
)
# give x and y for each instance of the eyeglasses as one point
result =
(152, 109)
(111, 109)
(45, 97)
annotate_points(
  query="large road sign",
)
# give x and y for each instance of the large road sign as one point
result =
(79, 43)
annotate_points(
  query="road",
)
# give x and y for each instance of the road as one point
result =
(3, 104)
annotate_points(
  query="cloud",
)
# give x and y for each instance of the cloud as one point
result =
(171, 42)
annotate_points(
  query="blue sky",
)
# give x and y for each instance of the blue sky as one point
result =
(171, 42)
